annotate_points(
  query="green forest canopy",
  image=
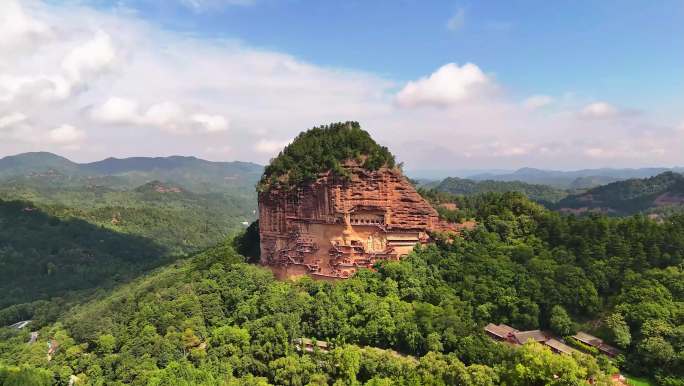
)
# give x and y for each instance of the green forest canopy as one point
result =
(322, 149)
(213, 319)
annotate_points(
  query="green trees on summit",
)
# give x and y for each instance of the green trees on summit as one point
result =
(321, 149)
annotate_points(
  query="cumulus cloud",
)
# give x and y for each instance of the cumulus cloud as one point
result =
(269, 147)
(599, 110)
(11, 120)
(19, 28)
(457, 21)
(65, 135)
(117, 110)
(167, 116)
(89, 59)
(449, 85)
(537, 102)
(82, 64)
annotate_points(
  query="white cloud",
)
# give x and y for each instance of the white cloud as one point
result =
(457, 21)
(89, 59)
(118, 111)
(211, 123)
(19, 28)
(599, 110)
(449, 85)
(269, 147)
(65, 135)
(11, 120)
(82, 64)
(167, 116)
(537, 102)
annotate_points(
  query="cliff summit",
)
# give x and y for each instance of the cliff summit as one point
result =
(334, 201)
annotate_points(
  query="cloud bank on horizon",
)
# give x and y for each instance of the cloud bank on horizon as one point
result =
(91, 83)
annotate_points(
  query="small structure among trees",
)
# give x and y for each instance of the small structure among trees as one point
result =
(310, 345)
(506, 333)
(599, 344)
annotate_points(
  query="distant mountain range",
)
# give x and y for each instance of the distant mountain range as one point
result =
(467, 187)
(578, 179)
(192, 173)
(658, 194)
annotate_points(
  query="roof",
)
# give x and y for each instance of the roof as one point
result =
(310, 342)
(560, 346)
(535, 335)
(500, 330)
(588, 339)
(608, 349)
(596, 342)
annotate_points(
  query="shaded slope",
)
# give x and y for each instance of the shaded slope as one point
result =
(42, 256)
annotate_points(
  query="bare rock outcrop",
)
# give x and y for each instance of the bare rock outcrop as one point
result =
(331, 227)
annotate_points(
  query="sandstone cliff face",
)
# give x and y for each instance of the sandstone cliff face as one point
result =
(333, 226)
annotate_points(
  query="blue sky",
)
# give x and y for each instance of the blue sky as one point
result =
(628, 51)
(444, 84)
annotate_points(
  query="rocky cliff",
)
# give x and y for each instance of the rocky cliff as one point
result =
(332, 226)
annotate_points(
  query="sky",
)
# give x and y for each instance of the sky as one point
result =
(444, 84)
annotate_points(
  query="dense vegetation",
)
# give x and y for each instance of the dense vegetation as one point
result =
(181, 220)
(42, 256)
(631, 196)
(66, 228)
(466, 187)
(214, 319)
(322, 149)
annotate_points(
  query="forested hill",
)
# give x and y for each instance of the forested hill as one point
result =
(322, 149)
(662, 193)
(31, 164)
(69, 226)
(214, 320)
(193, 173)
(467, 187)
(577, 179)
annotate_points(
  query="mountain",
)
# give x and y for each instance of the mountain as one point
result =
(655, 194)
(192, 173)
(467, 187)
(588, 182)
(37, 164)
(578, 179)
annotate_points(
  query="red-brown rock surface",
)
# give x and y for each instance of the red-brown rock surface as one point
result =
(332, 226)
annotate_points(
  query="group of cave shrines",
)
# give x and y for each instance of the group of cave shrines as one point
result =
(331, 227)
